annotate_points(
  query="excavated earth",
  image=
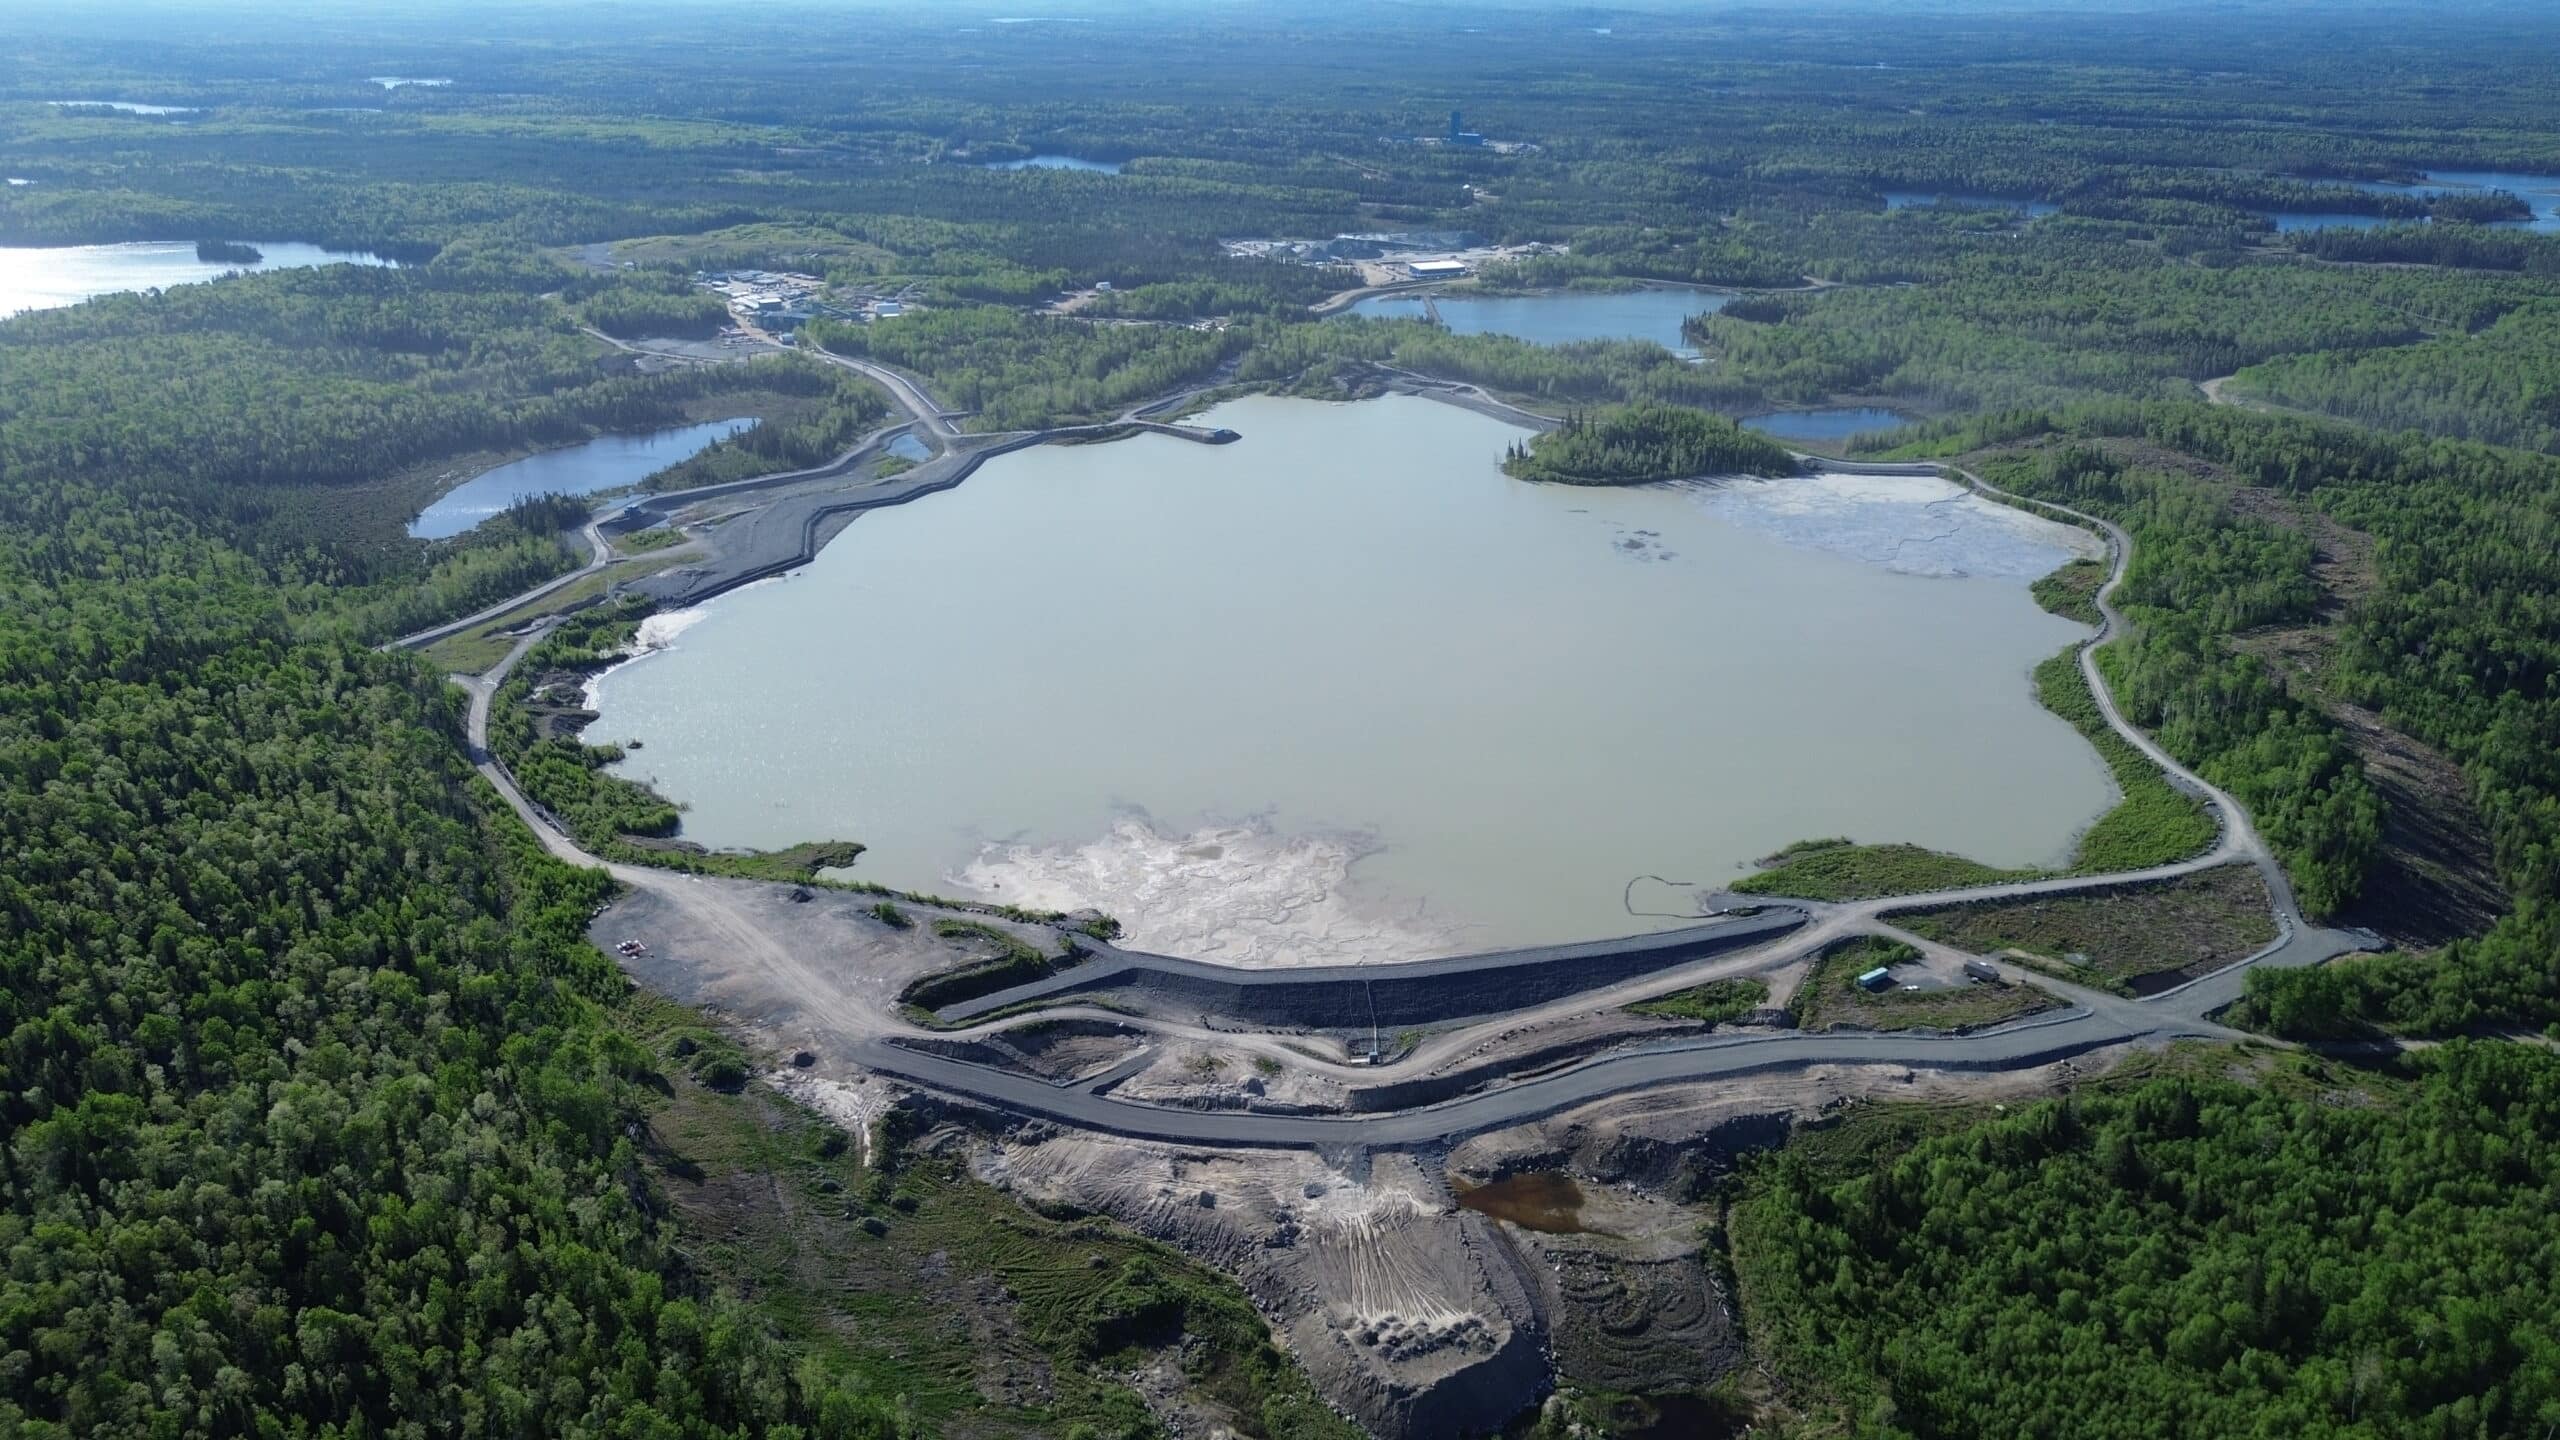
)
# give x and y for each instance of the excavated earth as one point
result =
(1422, 1319)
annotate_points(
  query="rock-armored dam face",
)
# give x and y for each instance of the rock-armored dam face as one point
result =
(1388, 997)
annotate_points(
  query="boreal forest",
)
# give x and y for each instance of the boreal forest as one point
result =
(330, 1110)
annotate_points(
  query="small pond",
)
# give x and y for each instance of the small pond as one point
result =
(908, 447)
(1057, 162)
(1837, 422)
(1547, 1201)
(607, 462)
(1558, 317)
(45, 277)
(123, 107)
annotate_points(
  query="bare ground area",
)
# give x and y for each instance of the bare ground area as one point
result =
(1425, 1319)
(1068, 1049)
(1209, 1076)
(744, 953)
(1638, 1302)
(1412, 1315)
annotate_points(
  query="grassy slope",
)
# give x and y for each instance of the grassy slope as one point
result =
(1838, 870)
(1829, 998)
(986, 1318)
(1715, 1002)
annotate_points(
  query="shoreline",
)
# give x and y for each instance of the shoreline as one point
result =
(1170, 916)
(787, 534)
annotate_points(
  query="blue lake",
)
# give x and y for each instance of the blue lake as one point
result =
(123, 107)
(607, 462)
(2542, 192)
(1560, 317)
(43, 277)
(908, 447)
(1913, 199)
(1814, 426)
(1057, 162)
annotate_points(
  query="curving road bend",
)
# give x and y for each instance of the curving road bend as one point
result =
(907, 392)
(2094, 1020)
(903, 388)
(599, 555)
(921, 411)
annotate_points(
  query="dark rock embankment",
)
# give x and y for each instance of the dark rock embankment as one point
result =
(1358, 999)
(788, 532)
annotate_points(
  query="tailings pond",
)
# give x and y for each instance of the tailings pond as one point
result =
(607, 462)
(50, 276)
(1558, 317)
(1341, 690)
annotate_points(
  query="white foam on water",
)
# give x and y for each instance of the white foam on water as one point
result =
(660, 630)
(656, 632)
(1239, 894)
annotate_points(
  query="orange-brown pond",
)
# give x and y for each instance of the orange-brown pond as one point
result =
(1542, 1200)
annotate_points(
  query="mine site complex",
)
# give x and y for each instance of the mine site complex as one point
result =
(1433, 1174)
(1139, 720)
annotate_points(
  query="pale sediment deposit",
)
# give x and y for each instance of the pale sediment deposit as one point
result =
(1910, 524)
(1240, 894)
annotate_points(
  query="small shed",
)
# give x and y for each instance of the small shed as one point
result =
(1879, 978)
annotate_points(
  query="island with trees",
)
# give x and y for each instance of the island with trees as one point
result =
(1644, 442)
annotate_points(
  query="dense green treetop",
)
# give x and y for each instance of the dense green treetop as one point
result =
(311, 1123)
(1632, 444)
(2190, 1257)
